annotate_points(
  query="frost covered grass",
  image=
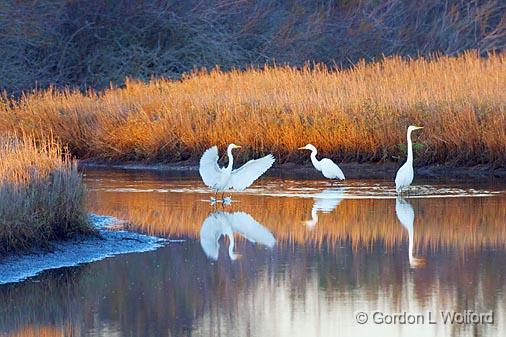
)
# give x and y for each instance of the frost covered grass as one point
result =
(41, 195)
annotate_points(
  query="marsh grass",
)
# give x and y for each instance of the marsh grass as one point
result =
(41, 195)
(358, 114)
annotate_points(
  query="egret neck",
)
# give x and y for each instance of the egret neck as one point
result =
(230, 159)
(316, 162)
(410, 149)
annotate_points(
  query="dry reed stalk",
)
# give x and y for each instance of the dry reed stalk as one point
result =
(359, 114)
(41, 194)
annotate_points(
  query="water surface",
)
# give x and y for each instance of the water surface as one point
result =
(285, 258)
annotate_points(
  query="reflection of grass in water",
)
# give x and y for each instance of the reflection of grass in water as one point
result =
(55, 292)
(358, 114)
(163, 291)
(462, 223)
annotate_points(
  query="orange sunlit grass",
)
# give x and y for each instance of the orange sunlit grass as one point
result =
(359, 114)
(41, 195)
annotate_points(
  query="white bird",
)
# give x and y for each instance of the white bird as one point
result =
(406, 216)
(405, 174)
(224, 223)
(327, 167)
(325, 201)
(220, 179)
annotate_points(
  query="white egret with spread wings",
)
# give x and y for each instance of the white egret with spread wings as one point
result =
(220, 179)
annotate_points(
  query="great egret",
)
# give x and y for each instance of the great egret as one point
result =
(224, 223)
(405, 174)
(406, 216)
(327, 167)
(325, 201)
(221, 179)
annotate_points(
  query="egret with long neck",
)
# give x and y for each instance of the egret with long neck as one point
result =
(221, 179)
(405, 174)
(327, 167)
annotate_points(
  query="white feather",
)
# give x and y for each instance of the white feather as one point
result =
(209, 169)
(330, 170)
(244, 176)
(221, 179)
(326, 166)
(405, 174)
(404, 177)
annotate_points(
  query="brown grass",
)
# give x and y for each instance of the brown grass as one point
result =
(359, 114)
(41, 195)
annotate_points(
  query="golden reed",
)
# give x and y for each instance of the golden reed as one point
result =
(359, 114)
(41, 194)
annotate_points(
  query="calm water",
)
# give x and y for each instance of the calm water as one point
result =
(286, 258)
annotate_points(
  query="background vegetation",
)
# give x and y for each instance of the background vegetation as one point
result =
(98, 42)
(41, 195)
(359, 114)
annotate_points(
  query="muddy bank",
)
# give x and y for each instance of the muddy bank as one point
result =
(112, 241)
(290, 170)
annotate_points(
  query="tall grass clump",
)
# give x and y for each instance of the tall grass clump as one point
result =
(358, 114)
(41, 195)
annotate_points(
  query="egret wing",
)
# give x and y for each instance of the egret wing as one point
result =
(244, 176)
(404, 177)
(244, 224)
(331, 170)
(209, 169)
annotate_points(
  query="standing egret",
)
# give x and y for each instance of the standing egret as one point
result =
(220, 179)
(327, 167)
(405, 175)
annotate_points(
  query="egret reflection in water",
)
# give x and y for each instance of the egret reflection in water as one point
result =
(224, 223)
(325, 201)
(406, 216)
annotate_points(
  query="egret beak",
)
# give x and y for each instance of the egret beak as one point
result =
(418, 127)
(238, 146)
(302, 148)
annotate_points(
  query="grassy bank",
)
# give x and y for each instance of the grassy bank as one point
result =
(41, 195)
(359, 114)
